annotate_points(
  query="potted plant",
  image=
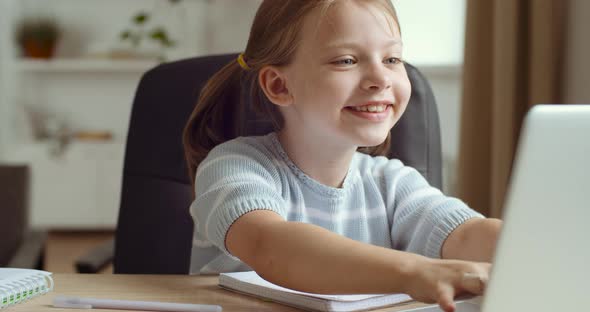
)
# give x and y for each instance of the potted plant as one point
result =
(37, 37)
(138, 33)
(141, 36)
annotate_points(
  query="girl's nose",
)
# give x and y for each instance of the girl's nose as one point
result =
(376, 79)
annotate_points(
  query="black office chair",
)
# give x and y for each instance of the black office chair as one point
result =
(20, 246)
(154, 230)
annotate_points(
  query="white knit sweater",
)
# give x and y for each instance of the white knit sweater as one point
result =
(381, 202)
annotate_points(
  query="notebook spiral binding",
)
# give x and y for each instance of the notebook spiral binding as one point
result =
(23, 287)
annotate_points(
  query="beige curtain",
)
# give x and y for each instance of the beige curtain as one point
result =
(513, 60)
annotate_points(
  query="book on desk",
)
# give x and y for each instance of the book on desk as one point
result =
(250, 283)
(19, 285)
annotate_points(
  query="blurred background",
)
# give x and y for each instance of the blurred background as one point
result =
(69, 70)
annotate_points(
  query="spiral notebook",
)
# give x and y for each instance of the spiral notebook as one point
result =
(250, 283)
(18, 285)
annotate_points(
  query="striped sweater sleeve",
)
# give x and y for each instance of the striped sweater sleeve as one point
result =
(234, 179)
(423, 217)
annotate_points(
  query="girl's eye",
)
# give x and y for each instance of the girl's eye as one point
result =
(348, 61)
(393, 60)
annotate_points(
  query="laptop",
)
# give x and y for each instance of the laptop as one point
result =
(542, 261)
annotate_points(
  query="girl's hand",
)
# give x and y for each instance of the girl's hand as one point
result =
(439, 281)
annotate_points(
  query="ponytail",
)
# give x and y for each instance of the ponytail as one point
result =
(207, 123)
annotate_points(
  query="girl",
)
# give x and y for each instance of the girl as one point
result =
(301, 206)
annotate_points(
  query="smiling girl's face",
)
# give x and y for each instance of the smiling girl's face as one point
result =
(347, 80)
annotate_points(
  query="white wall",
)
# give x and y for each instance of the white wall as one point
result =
(434, 34)
(5, 55)
(446, 86)
(3, 72)
(576, 78)
(433, 31)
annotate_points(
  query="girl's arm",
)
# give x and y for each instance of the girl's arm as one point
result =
(309, 258)
(474, 240)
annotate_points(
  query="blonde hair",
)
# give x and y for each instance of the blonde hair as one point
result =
(274, 38)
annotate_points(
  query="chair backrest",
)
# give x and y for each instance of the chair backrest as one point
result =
(14, 188)
(154, 230)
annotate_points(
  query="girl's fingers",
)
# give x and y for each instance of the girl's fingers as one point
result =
(473, 283)
(445, 298)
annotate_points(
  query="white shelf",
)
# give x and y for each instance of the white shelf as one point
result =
(80, 189)
(84, 65)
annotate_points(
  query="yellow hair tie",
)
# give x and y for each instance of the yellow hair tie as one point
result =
(242, 62)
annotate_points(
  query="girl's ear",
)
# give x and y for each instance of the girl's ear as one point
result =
(274, 85)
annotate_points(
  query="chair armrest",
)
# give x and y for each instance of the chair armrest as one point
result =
(97, 258)
(30, 253)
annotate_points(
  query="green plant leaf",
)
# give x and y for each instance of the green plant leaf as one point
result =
(159, 34)
(141, 18)
(125, 34)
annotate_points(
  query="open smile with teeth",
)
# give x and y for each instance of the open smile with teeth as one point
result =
(379, 108)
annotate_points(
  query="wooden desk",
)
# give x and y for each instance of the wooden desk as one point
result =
(172, 288)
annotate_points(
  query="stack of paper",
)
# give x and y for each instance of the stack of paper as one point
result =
(251, 284)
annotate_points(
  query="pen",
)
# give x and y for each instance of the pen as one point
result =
(93, 303)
